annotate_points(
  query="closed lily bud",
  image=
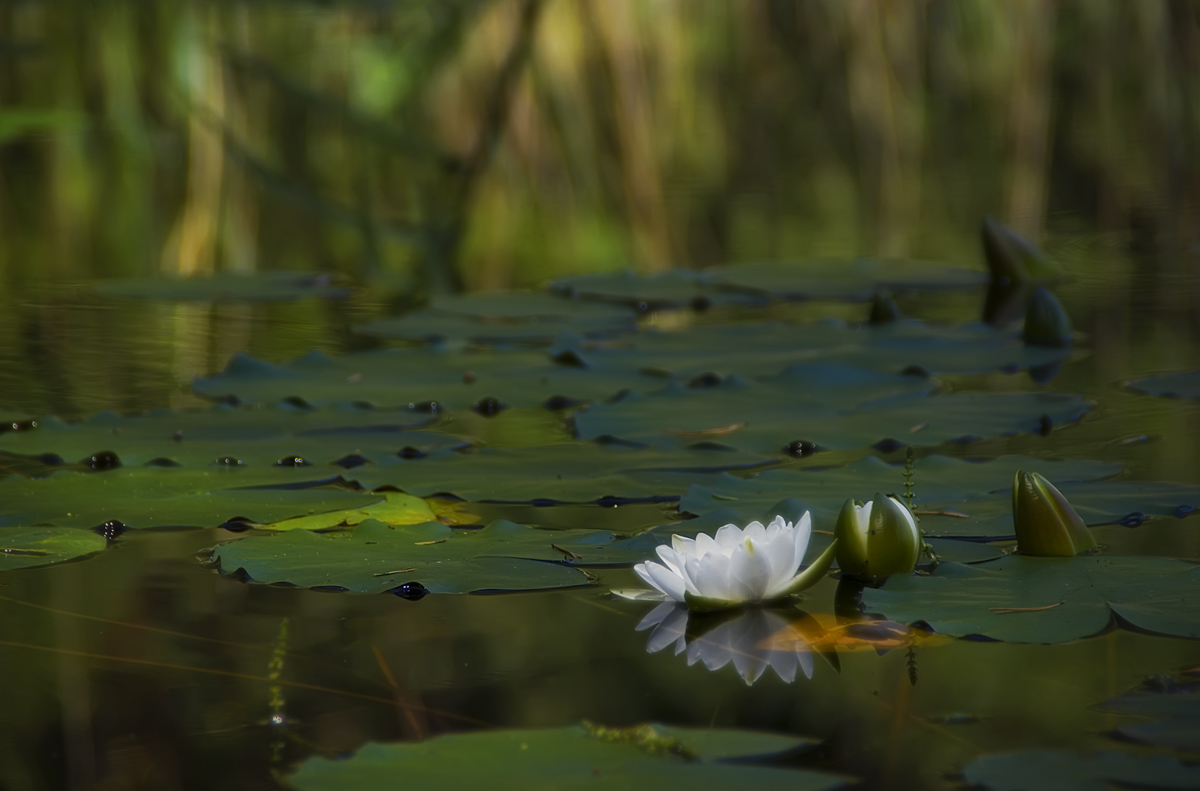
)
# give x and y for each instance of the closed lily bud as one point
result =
(1046, 322)
(1045, 522)
(877, 539)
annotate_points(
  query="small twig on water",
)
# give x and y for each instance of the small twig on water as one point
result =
(397, 571)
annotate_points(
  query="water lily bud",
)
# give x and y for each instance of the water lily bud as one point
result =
(877, 539)
(1046, 323)
(1013, 258)
(1045, 522)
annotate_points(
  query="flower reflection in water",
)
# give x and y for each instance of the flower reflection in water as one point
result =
(745, 641)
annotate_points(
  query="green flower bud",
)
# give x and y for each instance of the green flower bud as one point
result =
(877, 539)
(883, 309)
(1045, 522)
(1046, 323)
(1013, 258)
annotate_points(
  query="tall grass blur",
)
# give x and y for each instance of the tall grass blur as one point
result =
(493, 143)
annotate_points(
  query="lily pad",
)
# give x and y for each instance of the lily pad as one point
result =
(154, 497)
(504, 317)
(854, 280)
(629, 759)
(767, 416)
(1179, 385)
(26, 547)
(675, 288)
(406, 377)
(228, 287)
(395, 509)
(375, 557)
(766, 348)
(975, 489)
(257, 437)
(1060, 770)
(1174, 707)
(576, 472)
(1047, 600)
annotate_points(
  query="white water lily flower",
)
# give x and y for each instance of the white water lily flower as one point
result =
(745, 641)
(735, 566)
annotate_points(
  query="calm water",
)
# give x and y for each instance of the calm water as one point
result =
(719, 136)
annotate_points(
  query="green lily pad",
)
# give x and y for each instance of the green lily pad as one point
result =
(503, 317)
(976, 489)
(1174, 707)
(26, 547)
(576, 472)
(766, 348)
(394, 509)
(154, 497)
(767, 416)
(404, 377)
(675, 288)
(1060, 770)
(258, 437)
(228, 287)
(375, 557)
(1047, 600)
(629, 759)
(854, 280)
(1180, 385)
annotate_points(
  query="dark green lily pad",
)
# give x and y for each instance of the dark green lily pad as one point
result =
(767, 416)
(1173, 705)
(258, 437)
(228, 287)
(766, 348)
(156, 497)
(940, 483)
(578, 472)
(403, 377)
(504, 317)
(854, 280)
(1056, 600)
(374, 557)
(675, 288)
(1180, 385)
(26, 547)
(1060, 770)
(568, 758)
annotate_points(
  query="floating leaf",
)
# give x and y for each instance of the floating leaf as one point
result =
(1047, 600)
(154, 497)
(856, 280)
(395, 509)
(228, 287)
(605, 759)
(675, 288)
(575, 472)
(26, 547)
(1179, 385)
(374, 557)
(504, 317)
(1060, 770)
(1175, 707)
(282, 435)
(942, 484)
(815, 409)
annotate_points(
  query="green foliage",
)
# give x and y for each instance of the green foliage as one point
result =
(27, 547)
(1026, 599)
(568, 758)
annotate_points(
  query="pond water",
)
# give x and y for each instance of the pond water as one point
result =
(134, 661)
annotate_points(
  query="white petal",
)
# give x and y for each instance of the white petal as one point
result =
(684, 546)
(750, 571)
(863, 513)
(806, 663)
(729, 536)
(671, 631)
(671, 559)
(706, 544)
(755, 531)
(801, 536)
(710, 576)
(784, 665)
(661, 578)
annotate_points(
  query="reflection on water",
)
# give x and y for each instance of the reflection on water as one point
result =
(742, 640)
